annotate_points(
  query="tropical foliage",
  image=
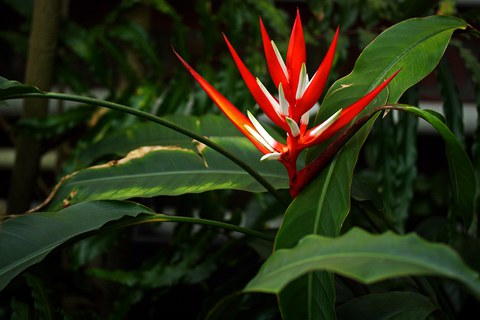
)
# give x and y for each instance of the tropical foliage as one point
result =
(161, 206)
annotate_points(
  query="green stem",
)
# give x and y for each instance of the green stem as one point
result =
(158, 217)
(156, 119)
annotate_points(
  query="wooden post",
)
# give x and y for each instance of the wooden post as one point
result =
(39, 72)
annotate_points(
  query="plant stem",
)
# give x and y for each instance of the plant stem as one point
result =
(161, 121)
(158, 217)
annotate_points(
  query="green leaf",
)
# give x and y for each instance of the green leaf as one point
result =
(154, 171)
(452, 102)
(461, 171)
(11, 88)
(152, 134)
(55, 124)
(86, 250)
(27, 239)
(472, 62)
(364, 257)
(415, 46)
(392, 154)
(389, 305)
(310, 212)
(187, 264)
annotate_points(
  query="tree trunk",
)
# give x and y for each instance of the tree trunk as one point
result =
(39, 71)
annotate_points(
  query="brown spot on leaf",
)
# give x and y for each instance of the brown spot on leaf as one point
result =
(66, 202)
(136, 154)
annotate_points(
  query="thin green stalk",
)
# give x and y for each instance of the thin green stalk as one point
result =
(158, 217)
(156, 119)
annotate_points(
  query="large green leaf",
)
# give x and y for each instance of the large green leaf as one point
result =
(364, 257)
(153, 171)
(27, 239)
(415, 46)
(152, 134)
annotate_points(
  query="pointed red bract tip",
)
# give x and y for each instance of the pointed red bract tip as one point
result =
(274, 67)
(254, 88)
(296, 53)
(318, 82)
(349, 113)
(232, 113)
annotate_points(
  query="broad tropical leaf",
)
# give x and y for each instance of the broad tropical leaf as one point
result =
(364, 257)
(415, 46)
(28, 239)
(158, 170)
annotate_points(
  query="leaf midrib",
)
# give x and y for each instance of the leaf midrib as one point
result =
(365, 255)
(373, 85)
(169, 173)
(410, 48)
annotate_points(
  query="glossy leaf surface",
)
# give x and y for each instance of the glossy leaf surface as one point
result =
(415, 46)
(28, 239)
(158, 170)
(364, 257)
(152, 134)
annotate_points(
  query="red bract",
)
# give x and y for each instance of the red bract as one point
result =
(297, 94)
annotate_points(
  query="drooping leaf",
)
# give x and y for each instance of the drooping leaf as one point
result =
(364, 257)
(154, 171)
(462, 174)
(415, 46)
(27, 239)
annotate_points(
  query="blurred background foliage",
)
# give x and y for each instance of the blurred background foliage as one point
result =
(122, 51)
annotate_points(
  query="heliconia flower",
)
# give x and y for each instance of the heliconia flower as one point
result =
(289, 109)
